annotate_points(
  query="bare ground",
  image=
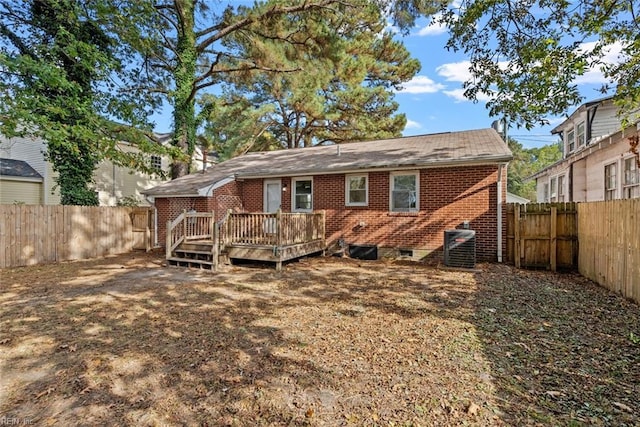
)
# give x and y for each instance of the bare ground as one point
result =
(125, 341)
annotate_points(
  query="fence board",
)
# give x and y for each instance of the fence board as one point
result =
(609, 237)
(542, 235)
(31, 234)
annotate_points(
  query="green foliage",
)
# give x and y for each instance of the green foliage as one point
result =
(527, 54)
(340, 91)
(190, 47)
(129, 201)
(62, 80)
(526, 162)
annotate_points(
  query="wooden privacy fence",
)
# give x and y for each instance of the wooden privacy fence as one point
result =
(34, 234)
(609, 235)
(542, 235)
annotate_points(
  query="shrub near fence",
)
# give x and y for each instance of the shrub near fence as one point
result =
(609, 239)
(35, 234)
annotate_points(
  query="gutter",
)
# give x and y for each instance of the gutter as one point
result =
(501, 168)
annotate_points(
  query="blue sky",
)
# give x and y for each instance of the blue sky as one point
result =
(433, 102)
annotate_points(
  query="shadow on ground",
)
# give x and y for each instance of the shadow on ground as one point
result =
(327, 341)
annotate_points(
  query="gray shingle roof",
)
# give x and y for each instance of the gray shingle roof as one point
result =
(435, 150)
(17, 168)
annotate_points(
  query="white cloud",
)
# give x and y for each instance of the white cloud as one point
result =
(458, 95)
(612, 55)
(412, 125)
(421, 84)
(455, 71)
(433, 28)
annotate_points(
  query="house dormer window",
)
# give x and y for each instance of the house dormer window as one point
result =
(580, 134)
(571, 140)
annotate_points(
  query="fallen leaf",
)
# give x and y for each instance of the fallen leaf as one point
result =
(623, 407)
(553, 393)
(473, 409)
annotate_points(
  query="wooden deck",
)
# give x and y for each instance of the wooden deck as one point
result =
(197, 240)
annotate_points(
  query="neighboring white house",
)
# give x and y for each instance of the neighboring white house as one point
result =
(112, 183)
(514, 198)
(597, 163)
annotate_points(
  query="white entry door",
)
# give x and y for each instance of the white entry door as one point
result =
(272, 202)
(272, 195)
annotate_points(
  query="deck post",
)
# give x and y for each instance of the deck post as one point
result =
(229, 237)
(168, 240)
(184, 224)
(323, 214)
(215, 248)
(279, 227)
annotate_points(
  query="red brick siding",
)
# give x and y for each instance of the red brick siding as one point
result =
(226, 197)
(448, 196)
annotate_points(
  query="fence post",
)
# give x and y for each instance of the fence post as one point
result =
(552, 238)
(516, 234)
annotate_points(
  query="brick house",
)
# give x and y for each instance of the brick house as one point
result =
(398, 194)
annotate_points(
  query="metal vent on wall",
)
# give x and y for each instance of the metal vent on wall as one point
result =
(460, 248)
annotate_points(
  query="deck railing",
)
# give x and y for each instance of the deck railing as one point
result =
(265, 229)
(272, 229)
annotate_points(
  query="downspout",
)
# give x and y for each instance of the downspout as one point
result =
(499, 207)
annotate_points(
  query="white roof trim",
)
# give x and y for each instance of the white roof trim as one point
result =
(209, 189)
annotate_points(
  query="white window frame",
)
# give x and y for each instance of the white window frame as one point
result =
(581, 136)
(347, 189)
(561, 188)
(630, 188)
(611, 193)
(293, 193)
(553, 189)
(391, 190)
(571, 139)
(545, 192)
(156, 162)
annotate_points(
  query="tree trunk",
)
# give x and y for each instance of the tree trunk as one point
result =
(184, 118)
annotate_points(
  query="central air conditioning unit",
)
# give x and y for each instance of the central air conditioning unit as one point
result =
(460, 248)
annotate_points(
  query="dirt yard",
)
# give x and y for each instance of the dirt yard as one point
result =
(327, 341)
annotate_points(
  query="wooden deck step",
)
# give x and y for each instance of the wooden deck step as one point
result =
(191, 263)
(191, 251)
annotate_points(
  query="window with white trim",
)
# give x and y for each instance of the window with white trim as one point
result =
(561, 190)
(302, 194)
(356, 190)
(580, 134)
(610, 180)
(404, 191)
(571, 140)
(554, 189)
(545, 192)
(156, 162)
(631, 179)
